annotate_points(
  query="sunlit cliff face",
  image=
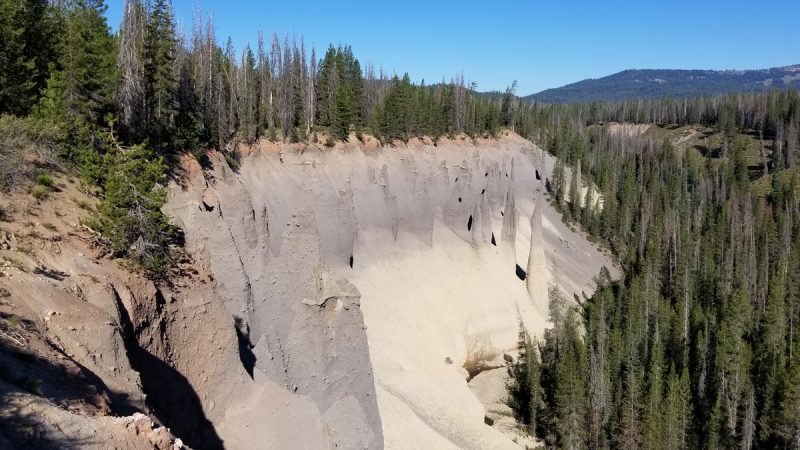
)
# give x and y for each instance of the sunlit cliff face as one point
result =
(368, 285)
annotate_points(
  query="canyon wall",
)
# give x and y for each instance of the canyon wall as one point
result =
(371, 283)
(357, 297)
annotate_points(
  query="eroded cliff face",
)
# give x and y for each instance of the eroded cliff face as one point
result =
(355, 297)
(367, 285)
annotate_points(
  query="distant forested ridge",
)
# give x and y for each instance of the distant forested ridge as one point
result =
(649, 84)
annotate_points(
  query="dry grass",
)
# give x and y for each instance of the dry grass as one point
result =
(82, 204)
(40, 192)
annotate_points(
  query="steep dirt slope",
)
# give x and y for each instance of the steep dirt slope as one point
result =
(66, 378)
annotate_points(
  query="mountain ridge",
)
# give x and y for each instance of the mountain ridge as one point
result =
(633, 84)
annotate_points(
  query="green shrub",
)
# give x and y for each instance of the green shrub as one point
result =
(40, 192)
(45, 180)
(3, 215)
(272, 134)
(129, 217)
(233, 163)
(24, 248)
(13, 320)
(82, 204)
(14, 263)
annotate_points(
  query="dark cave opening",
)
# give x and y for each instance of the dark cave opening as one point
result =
(521, 273)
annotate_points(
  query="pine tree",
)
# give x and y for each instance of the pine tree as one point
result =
(188, 126)
(393, 116)
(129, 215)
(677, 412)
(343, 112)
(652, 422)
(285, 95)
(790, 409)
(327, 84)
(27, 48)
(350, 73)
(80, 91)
(228, 120)
(628, 432)
(309, 93)
(160, 80)
(733, 366)
(571, 401)
(247, 97)
(524, 392)
(265, 99)
(508, 108)
(771, 353)
(575, 194)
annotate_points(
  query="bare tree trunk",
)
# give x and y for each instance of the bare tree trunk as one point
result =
(749, 424)
(459, 102)
(370, 92)
(311, 89)
(285, 105)
(791, 144)
(264, 84)
(130, 94)
(276, 57)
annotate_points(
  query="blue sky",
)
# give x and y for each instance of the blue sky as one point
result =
(540, 44)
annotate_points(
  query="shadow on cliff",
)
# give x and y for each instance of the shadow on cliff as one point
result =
(21, 428)
(60, 383)
(24, 373)
(169, 394)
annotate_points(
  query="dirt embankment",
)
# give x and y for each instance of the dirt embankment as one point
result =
(68, 371)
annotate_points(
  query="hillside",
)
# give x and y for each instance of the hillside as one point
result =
(649, 83)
